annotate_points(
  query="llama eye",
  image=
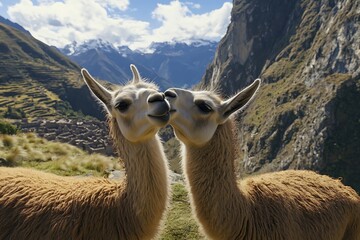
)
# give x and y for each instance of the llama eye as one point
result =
(203, 107)
(122, 106)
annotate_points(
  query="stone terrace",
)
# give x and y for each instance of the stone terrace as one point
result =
(89, 135)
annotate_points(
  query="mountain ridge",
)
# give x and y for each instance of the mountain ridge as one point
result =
(14, 25)
(167, 64)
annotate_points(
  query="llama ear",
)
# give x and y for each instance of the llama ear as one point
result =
(96, 88)
(135, 72)
(239, 101)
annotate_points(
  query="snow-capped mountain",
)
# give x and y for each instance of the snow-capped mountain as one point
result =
(168, 64)
(74, 48)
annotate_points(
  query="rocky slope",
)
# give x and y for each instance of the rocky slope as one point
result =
(307, 113)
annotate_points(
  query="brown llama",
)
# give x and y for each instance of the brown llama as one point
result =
(287, 205)
(37, 205)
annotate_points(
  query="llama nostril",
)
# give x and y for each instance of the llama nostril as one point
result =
(170, 94)
(156, 97)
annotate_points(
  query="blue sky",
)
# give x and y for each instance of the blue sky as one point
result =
(135, 23)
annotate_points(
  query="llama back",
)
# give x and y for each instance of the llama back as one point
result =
(34, 204)
(291, 202)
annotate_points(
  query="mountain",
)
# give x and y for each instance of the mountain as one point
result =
(306, 114)
(169, 64)
(181, 64)
(14, 25)
(106, 62)
(36, 80)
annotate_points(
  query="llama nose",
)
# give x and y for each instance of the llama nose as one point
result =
(156, 97)
(170, 93)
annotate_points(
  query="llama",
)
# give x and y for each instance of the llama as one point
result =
(37, 205)
(284, 205)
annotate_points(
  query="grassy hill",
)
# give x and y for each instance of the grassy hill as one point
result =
(28, 150)
(36, 80)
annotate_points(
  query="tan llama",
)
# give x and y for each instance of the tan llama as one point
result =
(287, 205)
(37, 205)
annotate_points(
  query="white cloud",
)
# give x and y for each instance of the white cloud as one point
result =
(58, 23)
(180, 24)
(119, 4)
(0, 4)
(61, 22)
(193, 5)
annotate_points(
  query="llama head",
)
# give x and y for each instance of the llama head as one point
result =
(139, 108)
(195, 115)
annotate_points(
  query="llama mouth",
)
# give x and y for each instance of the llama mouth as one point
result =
(163, 118)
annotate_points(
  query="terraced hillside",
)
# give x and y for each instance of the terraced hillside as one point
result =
(38, 80)
(29, 99)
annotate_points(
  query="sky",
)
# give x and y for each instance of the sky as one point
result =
(133, 23)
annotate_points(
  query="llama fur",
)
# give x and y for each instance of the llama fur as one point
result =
(286, 205)
(283, 205)
(38, 205)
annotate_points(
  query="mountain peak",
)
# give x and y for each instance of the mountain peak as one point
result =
(75, 48)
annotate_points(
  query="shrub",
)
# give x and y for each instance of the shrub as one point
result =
(8, 141)
(58, 148)
(7, 128)
(16, 156)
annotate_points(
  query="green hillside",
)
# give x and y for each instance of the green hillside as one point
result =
(28, 150)
(36, 80)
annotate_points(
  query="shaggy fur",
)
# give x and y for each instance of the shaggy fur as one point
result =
(285, 205)
(37, 205)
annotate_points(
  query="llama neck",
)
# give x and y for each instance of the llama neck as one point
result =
(211, 177)
(147, 184)
(146, 171)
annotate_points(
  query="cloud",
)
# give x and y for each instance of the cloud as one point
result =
(0, 4)
(179, 23)
(193, 5)
(61, 22)
(121, 5)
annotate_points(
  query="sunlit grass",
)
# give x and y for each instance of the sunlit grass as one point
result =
(28, 150)
(180, 224)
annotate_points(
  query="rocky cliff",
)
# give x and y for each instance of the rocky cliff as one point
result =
(307, 113)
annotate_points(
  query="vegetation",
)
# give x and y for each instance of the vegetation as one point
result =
(180, 223)
(29, 99)
(28, 150)
(14, 113)
(7, 128)
(38, 81)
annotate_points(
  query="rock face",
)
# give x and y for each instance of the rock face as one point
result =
(307, 113)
